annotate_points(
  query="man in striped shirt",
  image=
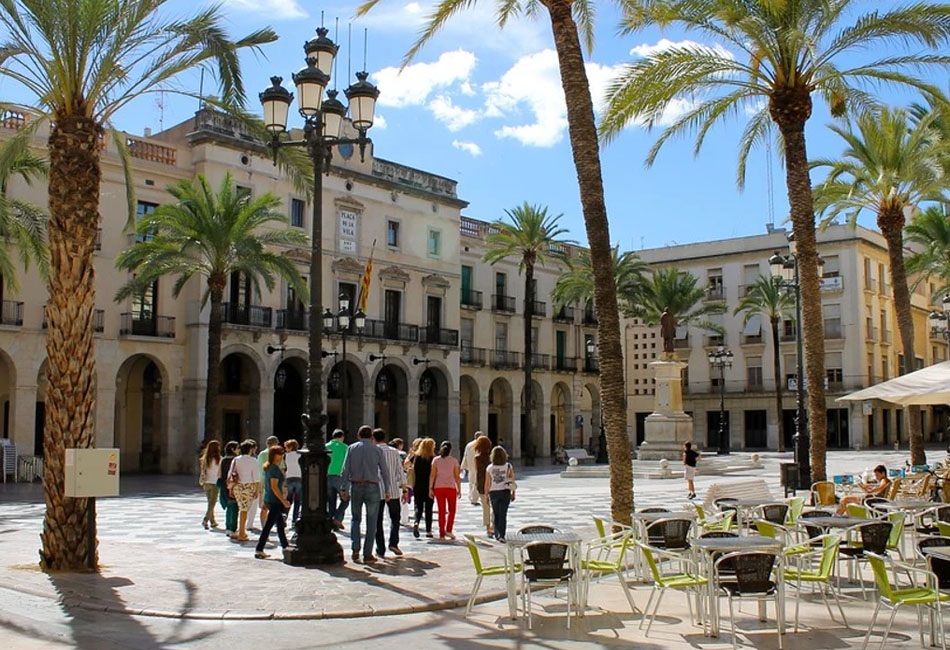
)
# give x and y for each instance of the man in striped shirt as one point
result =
(397, 479)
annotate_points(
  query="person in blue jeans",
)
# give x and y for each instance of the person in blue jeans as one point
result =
(363, 468)
(336, 502)
(499, 484)
(293, 478)
(274, 499)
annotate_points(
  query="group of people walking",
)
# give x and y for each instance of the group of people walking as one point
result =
(370, 477)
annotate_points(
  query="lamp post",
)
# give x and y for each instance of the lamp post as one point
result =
(785, 268)
(591, 349)
(721, 358)
(345, 321)
(323, 124)
(940, 321)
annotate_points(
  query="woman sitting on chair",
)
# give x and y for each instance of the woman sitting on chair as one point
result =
(879, 489)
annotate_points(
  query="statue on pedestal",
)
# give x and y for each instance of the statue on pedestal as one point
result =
(668, 332)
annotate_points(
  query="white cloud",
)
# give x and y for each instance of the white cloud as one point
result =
(467, 147)
(276, 9)
(454, 117)
(379, 122)
(664, 44)
(412, 85)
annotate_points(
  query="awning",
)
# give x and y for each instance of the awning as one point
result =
(929, 385)
(753, 326)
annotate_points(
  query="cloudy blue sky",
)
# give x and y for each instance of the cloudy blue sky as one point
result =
(485, 107)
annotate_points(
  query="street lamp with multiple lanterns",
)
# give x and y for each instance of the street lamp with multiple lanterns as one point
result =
(721, 358)
(322, 130)
(940, 320)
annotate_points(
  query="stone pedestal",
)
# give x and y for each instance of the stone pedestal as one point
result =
(668, 427)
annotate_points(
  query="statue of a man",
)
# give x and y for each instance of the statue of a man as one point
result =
(667, 330)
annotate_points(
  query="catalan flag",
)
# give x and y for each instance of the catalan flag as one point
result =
(367, 278)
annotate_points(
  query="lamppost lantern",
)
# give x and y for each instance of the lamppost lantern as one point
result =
(280, 379)
(276, 101)
(721, 358)
(940, 321)
(360, 318)
(316, 541)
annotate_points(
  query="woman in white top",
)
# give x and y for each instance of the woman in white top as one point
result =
(245, 478)
(208, 474)
(293, 477)
(500, 486)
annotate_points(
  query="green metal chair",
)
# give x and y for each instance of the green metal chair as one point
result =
(926, 595)
(485, 570)
(707, 522)
(605, 528)
(796, 506)
(607, 554)
(690, 580)
(943, 528)
(858, 511)
(821, 575)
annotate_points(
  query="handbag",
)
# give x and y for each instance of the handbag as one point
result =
(203, 475)
(233, 477)
(411, 472)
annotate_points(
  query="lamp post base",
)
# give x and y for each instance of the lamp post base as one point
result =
(316, 545)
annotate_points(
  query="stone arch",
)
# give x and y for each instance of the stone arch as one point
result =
(345, 381)
(433, 387)
(501, 415)
(8, 386)
(561, 426)
(469, 409)
(239, 393)
(588, 424)
(390, 391)
(141, 414)
(537, 446)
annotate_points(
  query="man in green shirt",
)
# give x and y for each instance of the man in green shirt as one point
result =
(335, 502)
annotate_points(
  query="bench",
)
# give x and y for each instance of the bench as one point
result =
(749, 489)
(581, 455)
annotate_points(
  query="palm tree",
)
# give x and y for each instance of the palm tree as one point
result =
(930, 231)
(82, 61)
(532, 236)
(21, 223)
(212, 235)
(767, 297)
(781, 56)
(576, 284)
(889, 166)
(570, 21)
(678, 293)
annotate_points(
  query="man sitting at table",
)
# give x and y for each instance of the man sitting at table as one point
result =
(879, 489)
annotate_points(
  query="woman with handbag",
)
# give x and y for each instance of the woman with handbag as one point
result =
(209, 471)
(244, 479)
(500, 485)
(482, 451)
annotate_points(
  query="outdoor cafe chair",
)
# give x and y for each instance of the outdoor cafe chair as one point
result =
(752, 579)
(858, 511)
(823, 493)
(605, 528)
(671, 533)
(690, 579)
(923, 592)
(483, 570)
(873, 504)
(710, 522)
(928, 520)
(938, 565)
(943, 528)
(812, 532)
(874, 537)
(796, 506)
(547, 563)
(537, 528)
(784, 535)
(821, 575)
(608, 555)
(773, 512)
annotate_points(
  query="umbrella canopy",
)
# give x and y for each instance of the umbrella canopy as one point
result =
(929, 385)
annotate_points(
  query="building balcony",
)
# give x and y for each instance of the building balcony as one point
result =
(151, 151)
(787, 337)
(714, 341)
(98, 320)
(11, 313)
(541, 361)
(539, 309)
(140, 325)
(250, 315)
(297, 320)
(471, 299)
(503, 303)
(565, 364)
(872, 333)
(438, 336)
(870, 284)
(391, 331)
(470, 356)
(591, 365)
(13, 119)
(751, 339)
(714, 293)
(502, 359)
(887, 336)
(589, 317)
(564, 315)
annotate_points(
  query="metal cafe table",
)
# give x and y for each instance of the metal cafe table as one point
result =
(711, 546)
(520, 540)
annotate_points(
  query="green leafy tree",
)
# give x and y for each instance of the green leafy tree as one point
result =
(21, 223)
(82, 61)
(889, 165)
(572, 22)
(576, 284)
(679, 293)
(531, 236)
(767, 297)
(212, 235)
(774, 59)
(930, 232)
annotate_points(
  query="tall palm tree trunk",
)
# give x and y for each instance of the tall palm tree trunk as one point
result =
(215, 322)
(891, 223)
(585, 149)
(529, 450)
(790, 109)
(777, 364)
(74, 150)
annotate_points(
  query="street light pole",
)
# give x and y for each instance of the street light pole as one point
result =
(721, 358)
(345, 319)
(323, 123)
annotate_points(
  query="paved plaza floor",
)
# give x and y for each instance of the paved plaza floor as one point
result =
(166, 582)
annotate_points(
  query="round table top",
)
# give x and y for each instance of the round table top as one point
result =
(740, 543)
(906, 504)
(656, 516)
(834, 521)
(752, 502)
(943, 552)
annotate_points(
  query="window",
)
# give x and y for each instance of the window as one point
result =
(868, 279)
(501, 336)
(714, 286)
(392, 234)
(832, 267)
(885, 332)
(832, 315)
(885, 369)
(788, 329)
(143, 208)
(296, 213)
(243, 192)
(833, 371)
(901, 369)
(754, 371)
(467, 332)
(435, 243)
(870, 367)
(883, 277)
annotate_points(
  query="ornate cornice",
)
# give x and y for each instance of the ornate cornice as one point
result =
(435, 280)
(347, 265)
(394, 273)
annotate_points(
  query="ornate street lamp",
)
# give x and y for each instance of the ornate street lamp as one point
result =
(345, 321)
(322, 129)
(721, 358)
(940, 321)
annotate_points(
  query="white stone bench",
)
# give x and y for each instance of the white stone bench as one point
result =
(748, 489)
(581, 455)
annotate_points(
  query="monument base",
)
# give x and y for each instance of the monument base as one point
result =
(665, 435)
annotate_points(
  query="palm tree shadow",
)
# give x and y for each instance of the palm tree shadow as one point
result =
(375, 575)
(83, 597)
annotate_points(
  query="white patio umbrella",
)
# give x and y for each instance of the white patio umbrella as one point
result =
(929, 385)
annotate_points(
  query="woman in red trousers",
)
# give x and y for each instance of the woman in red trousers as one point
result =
(445, 486)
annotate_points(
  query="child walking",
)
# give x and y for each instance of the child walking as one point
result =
(690, 456)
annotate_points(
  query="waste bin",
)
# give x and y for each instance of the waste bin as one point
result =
(789, 476)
